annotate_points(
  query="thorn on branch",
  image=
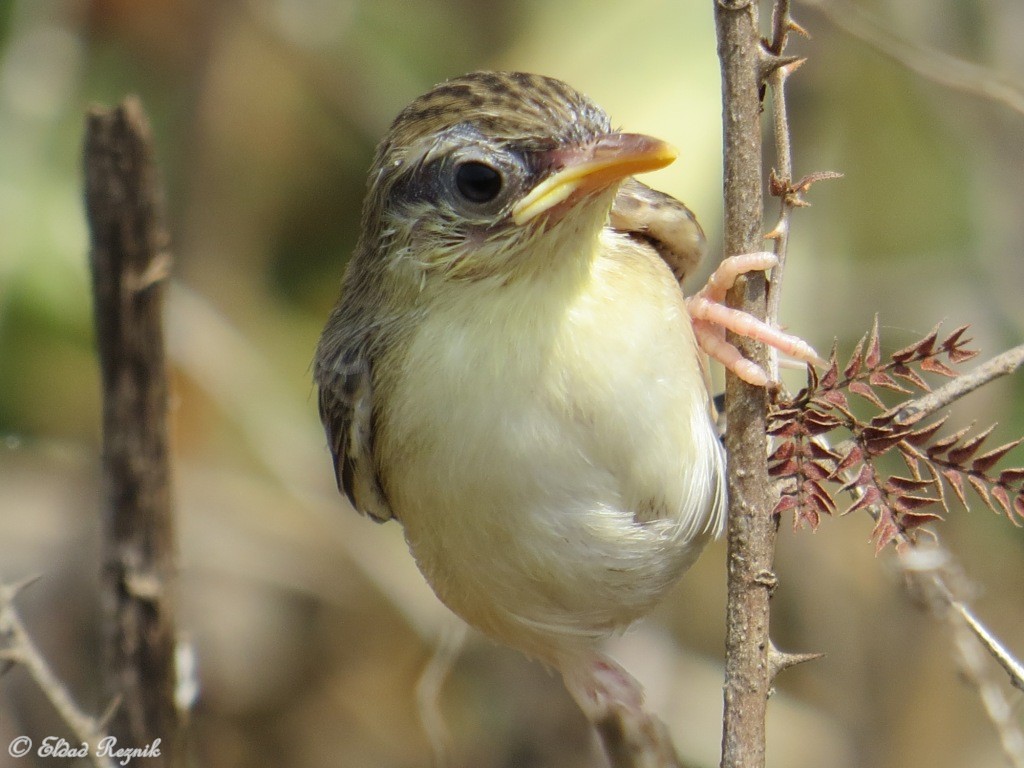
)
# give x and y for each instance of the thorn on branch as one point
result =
(768, 63)
(793, 26)
(782, 24)
(779, 231)
(781, 660)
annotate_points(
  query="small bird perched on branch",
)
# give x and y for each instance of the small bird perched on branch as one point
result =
(514, 374)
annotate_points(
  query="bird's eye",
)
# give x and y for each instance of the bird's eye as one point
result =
(478, 182)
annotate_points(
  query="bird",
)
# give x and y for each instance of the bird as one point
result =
(514, 374)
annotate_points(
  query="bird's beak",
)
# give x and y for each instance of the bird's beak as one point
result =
(590, 168)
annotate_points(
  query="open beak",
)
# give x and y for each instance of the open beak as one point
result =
(591, 168)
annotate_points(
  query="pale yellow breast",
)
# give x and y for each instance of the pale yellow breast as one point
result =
(548, 447)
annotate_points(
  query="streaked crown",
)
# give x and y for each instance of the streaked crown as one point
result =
(531, 111)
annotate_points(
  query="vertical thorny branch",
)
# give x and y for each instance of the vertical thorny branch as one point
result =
(751, 532)
(748, 65)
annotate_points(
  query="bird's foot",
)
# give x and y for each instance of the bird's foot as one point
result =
(600, 686)
(711, 319)
(613, 701)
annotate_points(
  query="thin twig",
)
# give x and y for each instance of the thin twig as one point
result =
(992, 644)
(926, 61)
(1000, 365)
(780, 232)
(782, 25)
(931, 573)
(931, 403)
(430, 685)
(21, 649)
(918, 558)
(781, 182)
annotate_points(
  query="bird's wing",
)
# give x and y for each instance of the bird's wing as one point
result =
(671, 229)
(343, 374)
(662, 221)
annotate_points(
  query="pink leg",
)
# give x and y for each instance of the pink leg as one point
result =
(614, 703)
(711, 319)
(599, 685)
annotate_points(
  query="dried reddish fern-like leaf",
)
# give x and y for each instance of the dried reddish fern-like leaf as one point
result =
(1002, 498)
(1011, 476)
(829, 378)
(939, 447)
(856, 359)
(908, 374)
(898, 484)
(955, 346)
(934, 365)
(865, 390)
(812, 473)
(986, 461)
(981, 490)
(886, 529)
(910, 520)
(963, 452)
(955, 479)
(920, 437)
(883, 379)
(874, 348)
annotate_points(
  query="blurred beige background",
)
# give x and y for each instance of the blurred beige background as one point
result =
(310, 625)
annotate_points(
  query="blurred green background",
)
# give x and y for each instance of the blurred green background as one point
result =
(311, 626)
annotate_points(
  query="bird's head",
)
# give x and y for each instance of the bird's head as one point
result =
(477, 172)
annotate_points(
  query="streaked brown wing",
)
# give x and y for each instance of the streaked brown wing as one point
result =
(346, 410)
(664, 222)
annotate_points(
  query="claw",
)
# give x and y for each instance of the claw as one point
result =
(724, 277)
(710, 339)
(711, 319)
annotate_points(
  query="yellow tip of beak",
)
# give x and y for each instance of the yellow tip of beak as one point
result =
(596, 166)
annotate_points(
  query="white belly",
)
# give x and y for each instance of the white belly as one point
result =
(551, 454)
